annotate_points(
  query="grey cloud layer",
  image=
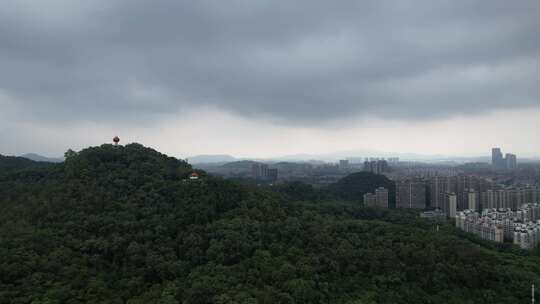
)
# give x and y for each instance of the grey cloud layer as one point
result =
(299, 61)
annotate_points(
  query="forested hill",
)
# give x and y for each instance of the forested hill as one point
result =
(124, 224)
(10, 164)
(355, 185)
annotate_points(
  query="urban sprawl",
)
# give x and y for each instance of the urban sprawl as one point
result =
(496, 200)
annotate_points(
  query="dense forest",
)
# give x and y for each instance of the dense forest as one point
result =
(10, 164)
(125, 224)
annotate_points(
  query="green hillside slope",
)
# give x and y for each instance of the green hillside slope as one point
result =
(125, 225)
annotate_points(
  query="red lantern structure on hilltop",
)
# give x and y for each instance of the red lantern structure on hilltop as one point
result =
(116, 140)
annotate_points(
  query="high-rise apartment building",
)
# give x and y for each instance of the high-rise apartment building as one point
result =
(262, 172)
(497, 159)
(382, 197)
(461, 185)
(438, 187)
(411, 194)
(272, 174)
(509, 198)
(511, 161)
(259, 171)
(377, 166)
(450, 205)
(472, 200)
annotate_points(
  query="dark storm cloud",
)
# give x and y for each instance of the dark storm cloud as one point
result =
(299, 61)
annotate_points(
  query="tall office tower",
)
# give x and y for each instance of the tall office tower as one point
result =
(472, 200)
(411, 194)
(511, 161)
(450, 205)
(381, 195)
(496, 158)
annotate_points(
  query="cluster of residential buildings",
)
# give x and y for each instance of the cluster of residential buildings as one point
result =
(411, 194)
(441, 192)
(261, 171)
(479, 198)
(377, 199)
(375, 165)
(370, 164)
(314, 173)
(521, 226)
(436, 214)
(460, 192)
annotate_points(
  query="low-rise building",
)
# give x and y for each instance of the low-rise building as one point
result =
(521, 227)
(436, 215)
(482, 226)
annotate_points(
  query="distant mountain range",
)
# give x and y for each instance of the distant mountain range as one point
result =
(40, 158)
(207, 159)
(354, 155)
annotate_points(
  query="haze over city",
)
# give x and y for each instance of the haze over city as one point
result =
(266, 78)
(257, 151)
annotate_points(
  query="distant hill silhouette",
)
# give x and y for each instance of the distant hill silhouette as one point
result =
(40, 158)
(208, 159)
(355, 185)
(15, 163)
(241, 164)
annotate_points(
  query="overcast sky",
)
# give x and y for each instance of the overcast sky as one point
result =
(268, 78)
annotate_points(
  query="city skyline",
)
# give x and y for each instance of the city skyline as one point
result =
(355, 156)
